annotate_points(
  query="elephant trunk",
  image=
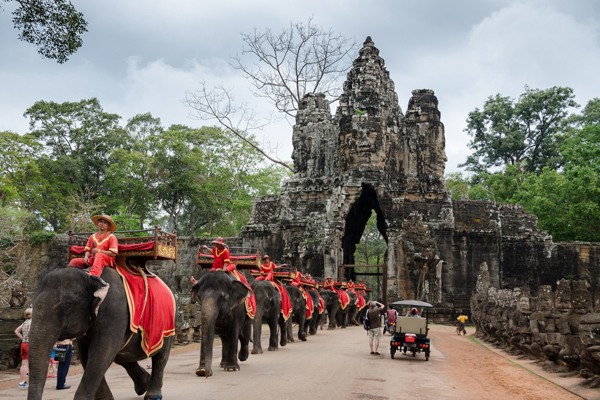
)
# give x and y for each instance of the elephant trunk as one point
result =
(210, 312)
(41, 340)
(256, 330)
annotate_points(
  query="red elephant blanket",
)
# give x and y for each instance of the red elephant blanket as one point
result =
(151, 309)
(321, 303)
(250, 300)
(361, 300)
(310, 308)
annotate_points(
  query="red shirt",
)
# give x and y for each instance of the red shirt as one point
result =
(266, 268)
(107, 243)
(221, 257)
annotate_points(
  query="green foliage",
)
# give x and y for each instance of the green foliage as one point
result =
(54, 26)
(358, 112)
(196, 181)
(527, 132)
(371, 250)
(40, 237)
(458, 184)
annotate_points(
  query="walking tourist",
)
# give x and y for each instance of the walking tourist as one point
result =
(374, 314)
(63, 366)
(23, 333)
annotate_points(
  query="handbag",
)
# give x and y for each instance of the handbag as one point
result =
(60, 354)
(366, 322)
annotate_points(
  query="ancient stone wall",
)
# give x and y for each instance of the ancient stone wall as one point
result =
(559, 326)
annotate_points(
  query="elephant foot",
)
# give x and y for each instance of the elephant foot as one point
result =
(141, 386)
(202, 371)
(282, 343)
(157, 396)
(273, 348)
(243, 354)
(303, 339)
(330, 328)
(257, 351)
(232, 367)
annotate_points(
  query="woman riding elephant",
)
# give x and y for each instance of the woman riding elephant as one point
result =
(66, 305)
(222, 299)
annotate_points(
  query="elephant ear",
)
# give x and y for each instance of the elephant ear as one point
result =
(238, 294)
(99, 289)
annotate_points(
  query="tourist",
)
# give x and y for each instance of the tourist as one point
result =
(413, 313)
(462, 318)
(374, 314)
(23, 333)
(390, 319)
(220, 253)
(63, 366)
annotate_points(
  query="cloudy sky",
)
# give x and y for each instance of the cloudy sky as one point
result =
(142, 55)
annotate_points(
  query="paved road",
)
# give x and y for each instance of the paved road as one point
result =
(337, 364)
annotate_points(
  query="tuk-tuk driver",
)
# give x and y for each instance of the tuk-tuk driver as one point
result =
(413, 313)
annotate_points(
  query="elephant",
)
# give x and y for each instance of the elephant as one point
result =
(64, 307)
(311, 325)
(298, 313)
(352, 309)
(268, 309)
(223, 311)
(332, 305)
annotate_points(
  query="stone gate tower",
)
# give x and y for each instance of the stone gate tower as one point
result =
(369, 156)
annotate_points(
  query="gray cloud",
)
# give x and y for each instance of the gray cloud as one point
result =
(141, 56)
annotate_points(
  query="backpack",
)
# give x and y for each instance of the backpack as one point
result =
(366, 322)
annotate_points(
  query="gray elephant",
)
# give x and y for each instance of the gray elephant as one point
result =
(344, 314)
(312, 324)
(268, 309)
(64, 306)
(332, 305)
(223, 311)
(298, 313)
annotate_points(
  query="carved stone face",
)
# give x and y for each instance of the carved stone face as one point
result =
(524, 303)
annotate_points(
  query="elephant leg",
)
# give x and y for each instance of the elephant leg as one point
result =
(273, 318)
(301, 326)
(139, 376)
(102, 349)
(159, 362)
(245, 333)
(224, 350)
(283, 331)
(290, 332)
(256, 333)
(231, 362)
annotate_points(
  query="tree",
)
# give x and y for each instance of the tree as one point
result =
(371, 250)
(54, 26)
(300, 59)
(526, 132)
(457, 184)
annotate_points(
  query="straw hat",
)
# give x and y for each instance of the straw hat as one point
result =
(111, 225)
(219, 240)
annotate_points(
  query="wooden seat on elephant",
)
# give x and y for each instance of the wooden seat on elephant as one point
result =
(411, 325)
(242, 257)
(155, 244)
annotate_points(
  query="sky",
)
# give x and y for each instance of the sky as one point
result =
(142, 56)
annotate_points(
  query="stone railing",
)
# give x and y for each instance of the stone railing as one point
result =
(561, 329)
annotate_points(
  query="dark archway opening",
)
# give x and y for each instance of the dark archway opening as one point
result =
(356, 221)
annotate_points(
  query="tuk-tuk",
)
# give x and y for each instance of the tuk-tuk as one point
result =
(411, 332)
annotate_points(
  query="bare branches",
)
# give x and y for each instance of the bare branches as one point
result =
(301, 59)
(219, 104)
